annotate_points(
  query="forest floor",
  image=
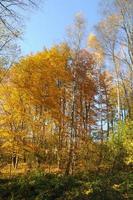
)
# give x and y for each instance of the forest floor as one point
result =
(9, 171)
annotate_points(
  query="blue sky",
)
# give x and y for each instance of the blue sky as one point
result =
(47, 25)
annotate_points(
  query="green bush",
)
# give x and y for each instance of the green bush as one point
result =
(91, 186)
